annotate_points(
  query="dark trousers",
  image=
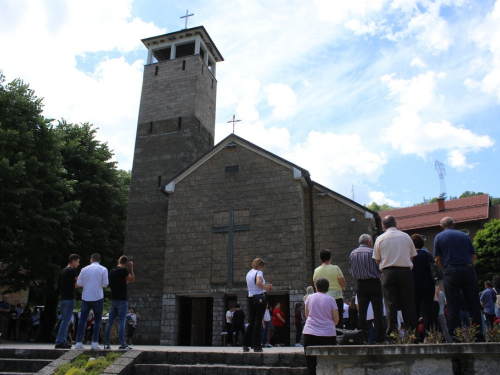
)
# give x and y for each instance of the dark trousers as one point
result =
(252, 335)
(310, 340)
(397, 288)
(371, 291)
(229, 329)
(463, 278)
(424, 304)
(237, 330)
(298, 334)
(278, 335)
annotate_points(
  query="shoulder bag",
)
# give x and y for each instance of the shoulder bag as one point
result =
(259, 299)
(350, 337)
(436, 272)
(497, 298)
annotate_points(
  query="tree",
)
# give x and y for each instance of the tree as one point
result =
(35, 203)
(101, 189)
(377, 208)
(467, 194)
(487, 244)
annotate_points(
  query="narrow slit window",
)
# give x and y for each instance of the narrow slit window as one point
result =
(156, 70)
(212, 83)
(179, 122)
(202, 68)
(183, 64)
(151, 127)
(233, 168)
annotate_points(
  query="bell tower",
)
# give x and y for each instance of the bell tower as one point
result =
(175, 127)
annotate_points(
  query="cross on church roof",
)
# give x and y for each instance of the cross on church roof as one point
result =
(186, 17)
(234, 121)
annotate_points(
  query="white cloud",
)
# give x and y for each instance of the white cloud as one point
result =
(282, 98)
(380, 198)
(409, 134)
(337, 160)
(418, 63)
(487, 37)
(48, 40)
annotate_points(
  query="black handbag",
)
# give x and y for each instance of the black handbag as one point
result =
(436, 272)
(350, 337)
(259, 299)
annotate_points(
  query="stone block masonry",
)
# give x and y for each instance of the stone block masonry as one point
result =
(176, 126)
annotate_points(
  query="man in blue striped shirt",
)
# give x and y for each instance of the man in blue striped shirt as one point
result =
(367, 274)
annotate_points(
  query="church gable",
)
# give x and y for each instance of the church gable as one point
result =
(233, 205)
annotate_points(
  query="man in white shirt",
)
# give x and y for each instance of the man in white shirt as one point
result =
(394, 251)
(92, 278)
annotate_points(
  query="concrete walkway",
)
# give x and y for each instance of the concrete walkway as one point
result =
(211, 349)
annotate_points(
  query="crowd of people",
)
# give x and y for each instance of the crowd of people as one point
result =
(396, 292)
(83, 327)
(18, 323)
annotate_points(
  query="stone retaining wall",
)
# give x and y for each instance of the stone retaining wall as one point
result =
(442, 359)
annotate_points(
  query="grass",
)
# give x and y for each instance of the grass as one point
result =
(82, 366)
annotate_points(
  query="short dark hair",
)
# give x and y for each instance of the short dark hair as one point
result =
(325, 255)
(488, 284)
(418, 241)
(73, 257)
(496, 281)
(96, 257)
(322, 285)
(123, 259)
(389, 221)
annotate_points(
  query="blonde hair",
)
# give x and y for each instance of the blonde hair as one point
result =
(258, 262)
(309, 290)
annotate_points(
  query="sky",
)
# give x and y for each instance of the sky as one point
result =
(365, 94)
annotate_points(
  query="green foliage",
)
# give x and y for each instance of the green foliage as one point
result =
(493, 333)
(35, 198)
(101, 190)
(494, 201)
(377, 208)
(434, 336)
(467, 194)
(61, 193)
(404, 337)
(467, 334)
(83, 364)
(487, 244)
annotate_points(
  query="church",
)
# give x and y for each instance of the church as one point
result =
(200, 213)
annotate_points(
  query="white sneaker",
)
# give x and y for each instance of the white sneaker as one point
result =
(298, 344)
(79, 346)
(95, 346)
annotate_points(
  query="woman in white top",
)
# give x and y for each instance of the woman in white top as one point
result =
(256, 285)
(266, 322)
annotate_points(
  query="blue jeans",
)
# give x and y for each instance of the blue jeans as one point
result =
(118, 310)
(97, 306)
(67, 306)
(456, 278)
(264, 332)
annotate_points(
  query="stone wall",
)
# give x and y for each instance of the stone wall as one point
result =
(175, 127)
(443, 359)
(335, 230)
(264, 195)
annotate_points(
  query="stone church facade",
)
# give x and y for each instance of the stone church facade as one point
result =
(199, 214)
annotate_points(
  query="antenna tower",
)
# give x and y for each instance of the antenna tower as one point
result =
(353, 196)
(441, 173)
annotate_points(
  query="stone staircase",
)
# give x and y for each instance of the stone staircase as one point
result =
(217, 363)
(26, 361)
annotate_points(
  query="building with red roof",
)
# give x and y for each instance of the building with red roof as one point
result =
(469, 215)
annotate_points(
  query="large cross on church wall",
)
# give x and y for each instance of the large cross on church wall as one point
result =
(229, 229)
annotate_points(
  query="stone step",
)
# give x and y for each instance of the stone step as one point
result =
(23, 365)
(31, 353)
(210, 369)
(266, 359)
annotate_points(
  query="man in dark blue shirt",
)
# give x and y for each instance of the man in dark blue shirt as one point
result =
(455, 255)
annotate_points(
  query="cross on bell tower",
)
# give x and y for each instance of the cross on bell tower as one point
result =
(176, 125)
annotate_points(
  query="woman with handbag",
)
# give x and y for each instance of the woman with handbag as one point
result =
(257, 302)
(322, 316)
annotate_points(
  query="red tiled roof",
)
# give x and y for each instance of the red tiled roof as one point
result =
(428, 215)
